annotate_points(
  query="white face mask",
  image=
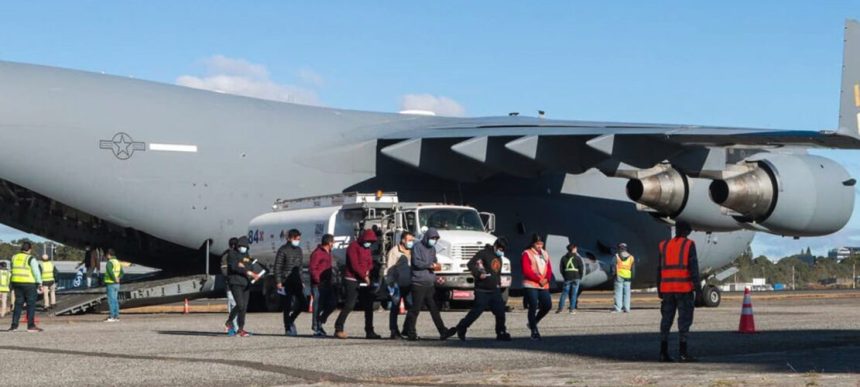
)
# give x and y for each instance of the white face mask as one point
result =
(431, 242)
(410, 244)
(367, 245)
(243, 249)
(295, 243)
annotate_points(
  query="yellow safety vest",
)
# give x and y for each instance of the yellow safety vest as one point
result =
(47, 271)
(624, 268)
(21, 272)
(5, 276)
(115, 268)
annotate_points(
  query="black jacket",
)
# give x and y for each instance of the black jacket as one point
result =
(486, 261)
(236, 276)
(570, 275)
(288, 266)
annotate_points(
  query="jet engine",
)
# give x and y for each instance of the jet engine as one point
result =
(673, 195)
(784, 194)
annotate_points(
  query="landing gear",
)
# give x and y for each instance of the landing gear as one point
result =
(711, 296)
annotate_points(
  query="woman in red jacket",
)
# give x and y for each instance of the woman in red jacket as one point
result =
(537, 272)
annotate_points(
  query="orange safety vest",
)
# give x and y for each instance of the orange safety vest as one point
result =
(674, 269)
(537, 267)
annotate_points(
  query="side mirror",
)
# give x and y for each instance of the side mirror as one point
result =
(489, 220)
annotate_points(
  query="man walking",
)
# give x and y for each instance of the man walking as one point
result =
(26, 283)
(486, 267)
(571, 270)
(398, 276)
(49, 275)
(677, 284)
(239, 270)
(356, 284)
(322, 284)
(5, 287)
(288, 274)
(424, 268)
(232, 245)
(113, 275)
(624, 264)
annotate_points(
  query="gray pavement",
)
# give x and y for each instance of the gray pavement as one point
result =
(801, 341)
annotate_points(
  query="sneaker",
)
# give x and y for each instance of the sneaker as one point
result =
(412, 337)
(535, 335)
(243, 333)
(12, 328)
(371, 335)
(461, 334)
(319, 333)
(231, 332)
(504, 336)
(558, 311)
(109, 319)
(395, 335)
(447, 334)
(341, 335)
(35, 330)
(293, 331)
(228, 328)
(571, 312)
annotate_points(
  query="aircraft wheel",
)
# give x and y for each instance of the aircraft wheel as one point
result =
(712, 296)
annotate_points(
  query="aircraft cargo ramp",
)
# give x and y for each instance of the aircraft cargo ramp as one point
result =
(135, 294)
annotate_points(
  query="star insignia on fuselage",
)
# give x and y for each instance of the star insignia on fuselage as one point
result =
(122, 146)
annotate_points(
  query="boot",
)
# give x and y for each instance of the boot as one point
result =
(371, 335)
(685, 357)
(664, 352)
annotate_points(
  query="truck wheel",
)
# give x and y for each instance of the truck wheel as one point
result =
(271, 299)
(712, 296)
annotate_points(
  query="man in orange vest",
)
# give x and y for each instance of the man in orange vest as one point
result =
(677, 284)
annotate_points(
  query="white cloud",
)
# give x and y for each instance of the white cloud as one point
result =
(440, 105)
(241, 77)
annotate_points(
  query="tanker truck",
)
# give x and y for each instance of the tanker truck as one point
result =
(463, 232)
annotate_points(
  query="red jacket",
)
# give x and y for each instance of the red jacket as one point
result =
(532, 274)
(359, 261)
(320, 267)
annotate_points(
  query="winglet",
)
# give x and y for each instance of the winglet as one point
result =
(849, 102)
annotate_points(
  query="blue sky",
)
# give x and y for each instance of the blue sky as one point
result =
(761, 64)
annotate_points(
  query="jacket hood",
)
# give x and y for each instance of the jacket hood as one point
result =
(243, 242)
(367, 236)
(430, 234)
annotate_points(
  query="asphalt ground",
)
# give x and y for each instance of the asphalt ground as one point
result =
(801, 340)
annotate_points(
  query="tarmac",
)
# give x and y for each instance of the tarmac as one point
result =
(803, 339)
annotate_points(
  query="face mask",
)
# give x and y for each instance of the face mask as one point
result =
(500, 253)
(410, 244)
(431, 242)
(243, 249)
(367, 245)
(295, 243)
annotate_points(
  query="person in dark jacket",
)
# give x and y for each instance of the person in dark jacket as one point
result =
(238, 268)
(398, 276)
(288, 277)
(357, 284)
(322, 284)
(424, 268)
(570, 268)
(486, 267)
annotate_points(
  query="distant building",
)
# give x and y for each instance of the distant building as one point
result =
(841, 253)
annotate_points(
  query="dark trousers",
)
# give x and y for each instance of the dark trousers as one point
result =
(539, 303)
(293, 303)
(421, 296)
(483, 299)
(241, 294)
(354, 293)
(402, 293)
(25, 293)
(684, 303)
(325, 301)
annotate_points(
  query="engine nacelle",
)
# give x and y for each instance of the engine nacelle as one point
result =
(791, 195)
(673, 195)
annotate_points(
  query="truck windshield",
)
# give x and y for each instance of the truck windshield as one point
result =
(451, 219)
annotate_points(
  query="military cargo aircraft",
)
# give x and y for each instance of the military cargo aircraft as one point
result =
(159, 172)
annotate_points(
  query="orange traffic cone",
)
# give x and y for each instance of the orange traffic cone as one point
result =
(187, 308)
(311, 304)
(402, 306)
(747, 324)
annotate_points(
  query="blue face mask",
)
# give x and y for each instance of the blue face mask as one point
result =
(410, 244)
(431, 242)
(367, 245)
(295, 243)
(500, 253)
